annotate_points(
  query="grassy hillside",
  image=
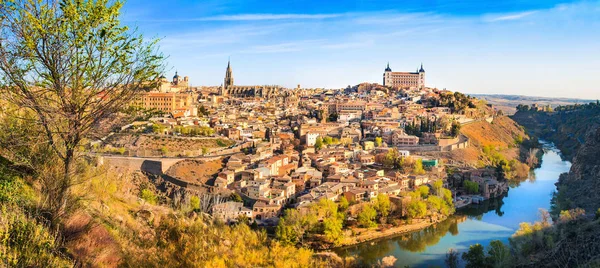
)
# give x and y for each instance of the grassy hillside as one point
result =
(121, 220)
(25, 241)
(501, 133)
(502, 142)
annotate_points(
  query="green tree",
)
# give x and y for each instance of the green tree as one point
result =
(447, 196)
(285, 233)
(194, 202)
(332, 229)
(148, 196)
(498, 255)
(475, 257)
(293, 226)
(418, 167)
(203, 110)
(400, 163)
(71, 65)
(366, 218)
(319, 143)
(435, 203)
(455, 129)
(423, 191)
(471, 187)
(378, 141)
(437, 187)
(390, 158)
(343, 203)
(416, 209)
(333, 117)
(383, 205)
(158, 129)
(235, 197)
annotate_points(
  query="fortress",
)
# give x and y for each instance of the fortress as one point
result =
(404, 79)
(229, 89)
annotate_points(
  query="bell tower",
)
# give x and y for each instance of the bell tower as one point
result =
(387, 76)
(421, 77)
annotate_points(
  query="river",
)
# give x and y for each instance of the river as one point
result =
(495, 219)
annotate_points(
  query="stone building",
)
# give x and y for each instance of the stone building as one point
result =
(404, 79)
(167, 102)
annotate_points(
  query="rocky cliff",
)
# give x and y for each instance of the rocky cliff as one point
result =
(580, 187)
(566, 129)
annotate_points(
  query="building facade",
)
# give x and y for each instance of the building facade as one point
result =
(404, 79)
(177, 84)
(166, 102)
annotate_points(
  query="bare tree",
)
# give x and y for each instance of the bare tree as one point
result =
(70, 64)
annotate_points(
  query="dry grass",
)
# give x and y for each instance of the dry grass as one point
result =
(107, 226)
(195, 171)
(500, 134)
(172, 144)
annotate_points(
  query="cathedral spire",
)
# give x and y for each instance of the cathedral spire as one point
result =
(228, 75)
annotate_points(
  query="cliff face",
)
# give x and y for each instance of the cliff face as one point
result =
(580, 187)
(566, 129)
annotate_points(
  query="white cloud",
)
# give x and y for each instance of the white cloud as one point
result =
(508, 17)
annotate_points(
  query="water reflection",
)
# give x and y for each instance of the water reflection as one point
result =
(477, 211)
(491, 220)
(419, 241)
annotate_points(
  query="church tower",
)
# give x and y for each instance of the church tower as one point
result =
(228, 76)
(387, 75)
(421, 77)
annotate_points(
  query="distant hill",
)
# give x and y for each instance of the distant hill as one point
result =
(507, 103)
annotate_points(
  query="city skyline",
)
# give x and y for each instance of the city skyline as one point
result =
(538, 48)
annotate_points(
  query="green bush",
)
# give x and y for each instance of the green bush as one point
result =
(194, 202)
(471, 187)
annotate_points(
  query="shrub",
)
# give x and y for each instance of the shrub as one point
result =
(194, 202)
(148, 196)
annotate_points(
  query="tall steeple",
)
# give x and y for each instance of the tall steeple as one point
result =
(421, 70)
(228, 75)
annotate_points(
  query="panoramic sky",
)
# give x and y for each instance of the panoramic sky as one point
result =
(537, 48)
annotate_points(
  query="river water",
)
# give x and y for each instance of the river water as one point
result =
(495, 219)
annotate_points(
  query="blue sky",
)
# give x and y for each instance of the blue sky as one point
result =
(537, 48)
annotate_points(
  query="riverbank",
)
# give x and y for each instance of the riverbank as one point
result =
(362, 235)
